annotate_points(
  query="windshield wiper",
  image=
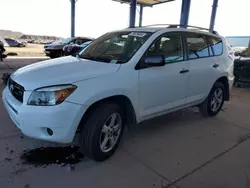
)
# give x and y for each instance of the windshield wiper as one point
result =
(96, 58)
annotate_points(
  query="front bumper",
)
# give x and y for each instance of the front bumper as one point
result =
(242, 72)
(33, 121)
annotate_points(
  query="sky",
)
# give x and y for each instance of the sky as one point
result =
(96, 17)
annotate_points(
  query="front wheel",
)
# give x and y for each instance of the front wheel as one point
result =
(214, 102)
(52, 57)
(102, 132)
(1, 54)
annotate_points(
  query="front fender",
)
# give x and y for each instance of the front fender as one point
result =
(93, 90)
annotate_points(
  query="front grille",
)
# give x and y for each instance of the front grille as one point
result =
(16, 90)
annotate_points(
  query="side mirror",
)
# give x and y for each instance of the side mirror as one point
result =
(74, 50)
(154, 61)
(236, 53)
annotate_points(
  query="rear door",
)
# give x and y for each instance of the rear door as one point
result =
(202, 64)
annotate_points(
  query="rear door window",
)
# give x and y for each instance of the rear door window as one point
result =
(217, 45)
(197, 46)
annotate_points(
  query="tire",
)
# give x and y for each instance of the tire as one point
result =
(92, 135)
(60, 54)
(52, 57)
(1, 55)
(208, 109)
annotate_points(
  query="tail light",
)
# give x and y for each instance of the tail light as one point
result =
(231, 57)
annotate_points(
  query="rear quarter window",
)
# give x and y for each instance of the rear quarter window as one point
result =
(217, 45)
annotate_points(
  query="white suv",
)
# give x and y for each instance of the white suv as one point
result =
(122, 78)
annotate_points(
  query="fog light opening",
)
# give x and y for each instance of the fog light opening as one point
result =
(49, 131)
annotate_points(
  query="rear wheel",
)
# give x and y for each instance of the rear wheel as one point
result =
(214, 102)
(102, 132)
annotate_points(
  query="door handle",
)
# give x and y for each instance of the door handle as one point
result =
(216, 65)
(184, 71)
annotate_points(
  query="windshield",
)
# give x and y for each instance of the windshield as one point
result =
(86, 44)
(117, 47)
(66, 41)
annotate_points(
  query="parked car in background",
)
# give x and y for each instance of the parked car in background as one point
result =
(31, 41)
(73, 49)
(50, 41)
(241, 49)
(3, 41)
(14, 43)
(55, 49)
(122, 78)
(242, 67)
(2, 50)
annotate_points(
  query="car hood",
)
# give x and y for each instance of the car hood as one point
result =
(65, 70)
(72, 45)
(57, 45)
(54, 44)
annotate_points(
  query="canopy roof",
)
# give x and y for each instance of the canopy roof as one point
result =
(146, 2)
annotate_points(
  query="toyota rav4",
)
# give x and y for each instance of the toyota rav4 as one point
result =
(122, 78)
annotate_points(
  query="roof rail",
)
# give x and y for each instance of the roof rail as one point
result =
(182, 26)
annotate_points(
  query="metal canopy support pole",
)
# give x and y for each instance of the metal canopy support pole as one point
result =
(73, 7)
(132, 13)
(213, 15)
(141, 15)
(185, 12)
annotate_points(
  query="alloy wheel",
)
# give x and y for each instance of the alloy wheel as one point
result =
(216, 100)
(110, 133)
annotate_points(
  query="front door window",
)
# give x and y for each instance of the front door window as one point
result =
(170, 46)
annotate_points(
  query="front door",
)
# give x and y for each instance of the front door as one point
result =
(165, 87)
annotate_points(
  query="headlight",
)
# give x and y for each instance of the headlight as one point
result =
(49, 96)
